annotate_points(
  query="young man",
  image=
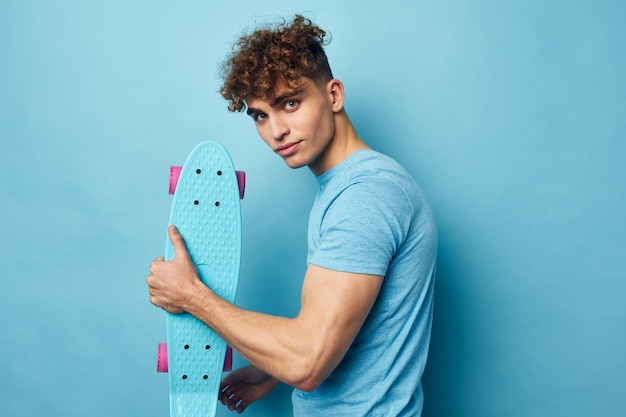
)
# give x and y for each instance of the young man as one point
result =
(359, 344)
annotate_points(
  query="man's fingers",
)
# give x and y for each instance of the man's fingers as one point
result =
(177, 241)
(154, 265)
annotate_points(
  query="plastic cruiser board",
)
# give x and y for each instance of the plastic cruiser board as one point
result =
(207, 212)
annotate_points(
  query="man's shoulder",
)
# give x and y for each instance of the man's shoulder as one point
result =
(371, 166)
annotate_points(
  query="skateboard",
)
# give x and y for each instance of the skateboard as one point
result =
(207, 212)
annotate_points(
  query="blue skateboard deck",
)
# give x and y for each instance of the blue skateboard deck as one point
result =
(207, 212)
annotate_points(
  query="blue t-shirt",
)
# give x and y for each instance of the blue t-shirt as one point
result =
(371, 217)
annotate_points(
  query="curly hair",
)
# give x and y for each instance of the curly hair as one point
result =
(266, 57)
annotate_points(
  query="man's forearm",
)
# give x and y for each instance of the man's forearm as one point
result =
(276, 345)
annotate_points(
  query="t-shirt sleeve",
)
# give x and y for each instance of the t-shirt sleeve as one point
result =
(363, 227)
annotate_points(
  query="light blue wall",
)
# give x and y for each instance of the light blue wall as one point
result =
(511, 114)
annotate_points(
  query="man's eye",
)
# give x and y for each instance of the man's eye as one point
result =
(291, 104)
(259, 117)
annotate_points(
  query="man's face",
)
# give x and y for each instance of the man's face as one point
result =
(297, 124)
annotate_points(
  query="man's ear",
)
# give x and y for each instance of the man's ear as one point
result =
(336, 94)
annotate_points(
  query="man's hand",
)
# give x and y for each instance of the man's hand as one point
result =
(244, 386)
(173, 285)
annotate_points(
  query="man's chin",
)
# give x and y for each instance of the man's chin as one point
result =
(296, 166)
(293, 164)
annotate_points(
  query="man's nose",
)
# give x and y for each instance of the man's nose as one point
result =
(278, 128)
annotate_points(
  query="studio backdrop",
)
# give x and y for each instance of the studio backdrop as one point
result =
(510, 114)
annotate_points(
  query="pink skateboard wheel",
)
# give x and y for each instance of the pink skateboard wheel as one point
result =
(162, 358)
(241, 181)
(174, 175)
(228, 360)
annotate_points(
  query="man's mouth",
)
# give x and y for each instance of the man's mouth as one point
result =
(287, 149)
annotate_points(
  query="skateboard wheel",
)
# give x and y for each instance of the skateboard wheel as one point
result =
(162, 358)
(241, 181)
(228, 360)
(174, 175)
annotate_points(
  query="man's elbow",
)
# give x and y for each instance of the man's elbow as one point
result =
(310, 366)
(308, 377)
(308, 384)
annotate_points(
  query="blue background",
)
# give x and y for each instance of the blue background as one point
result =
(511, 115)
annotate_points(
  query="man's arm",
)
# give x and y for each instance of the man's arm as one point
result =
(300, 351)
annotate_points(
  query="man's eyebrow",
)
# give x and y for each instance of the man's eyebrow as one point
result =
(284, 96)
(275, 102)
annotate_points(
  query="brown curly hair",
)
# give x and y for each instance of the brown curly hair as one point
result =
(266, 57)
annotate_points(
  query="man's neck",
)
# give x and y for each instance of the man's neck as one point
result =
(345, 142)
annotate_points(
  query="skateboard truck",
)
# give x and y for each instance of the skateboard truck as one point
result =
(162, 359)
(175, 174)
